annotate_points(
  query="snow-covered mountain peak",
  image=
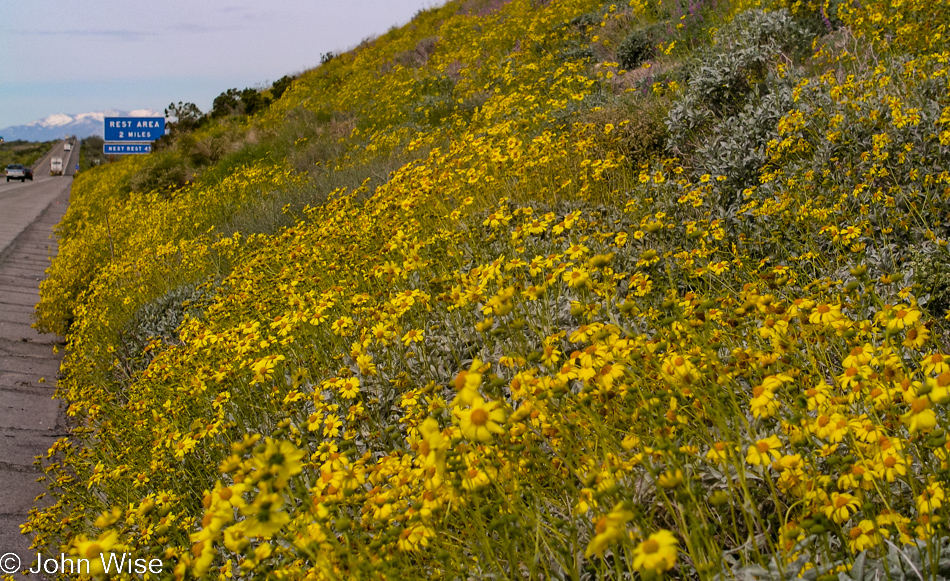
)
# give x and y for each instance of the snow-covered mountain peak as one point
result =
(55, 120)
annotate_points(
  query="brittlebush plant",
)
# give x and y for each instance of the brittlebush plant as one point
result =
(520, 354)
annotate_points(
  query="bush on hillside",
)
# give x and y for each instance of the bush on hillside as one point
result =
(737, 92)
(635, 49)
(154, 326)
(281, 85)
(164, 174)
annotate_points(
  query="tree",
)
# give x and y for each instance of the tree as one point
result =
(186, 117)
(227, 103)
(281, 85)
(253, 101)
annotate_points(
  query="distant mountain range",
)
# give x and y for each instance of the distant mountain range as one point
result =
(60, 125)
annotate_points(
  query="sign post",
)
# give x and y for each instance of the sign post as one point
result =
(131, 135)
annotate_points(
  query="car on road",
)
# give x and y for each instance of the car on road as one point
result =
(16, 171)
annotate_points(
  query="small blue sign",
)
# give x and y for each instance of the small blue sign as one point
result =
(130, 129)
(126, 148)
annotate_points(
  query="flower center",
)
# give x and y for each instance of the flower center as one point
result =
(479, 417)
(93, 550)
(650, 546)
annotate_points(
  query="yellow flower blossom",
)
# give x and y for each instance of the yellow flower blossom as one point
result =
(920, 418)
(841, 506)
(657, 554)
(863, 536)
(764, 451)
(608, 529)
(481, 419)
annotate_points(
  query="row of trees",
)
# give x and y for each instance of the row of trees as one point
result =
(188, 117)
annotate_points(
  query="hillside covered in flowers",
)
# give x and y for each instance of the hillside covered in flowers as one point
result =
(529, 289)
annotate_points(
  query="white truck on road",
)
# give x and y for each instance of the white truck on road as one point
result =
(56, 166)
(67, 146)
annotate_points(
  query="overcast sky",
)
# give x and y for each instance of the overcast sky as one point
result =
(77, 56)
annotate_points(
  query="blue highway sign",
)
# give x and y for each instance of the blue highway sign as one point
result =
(126, 148)
(130, 129)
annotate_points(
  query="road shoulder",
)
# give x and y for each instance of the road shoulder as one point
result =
(30, 419)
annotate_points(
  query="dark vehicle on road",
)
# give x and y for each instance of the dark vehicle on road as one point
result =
(16, 171)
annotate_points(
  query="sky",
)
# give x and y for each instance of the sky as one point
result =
(78, 56)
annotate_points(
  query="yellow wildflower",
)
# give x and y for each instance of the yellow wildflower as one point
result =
(657, 554)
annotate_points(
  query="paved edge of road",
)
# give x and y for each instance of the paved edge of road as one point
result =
(6, 252)
(30, 419)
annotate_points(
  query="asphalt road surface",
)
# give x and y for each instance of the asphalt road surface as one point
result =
(30, 420)
(22, 202)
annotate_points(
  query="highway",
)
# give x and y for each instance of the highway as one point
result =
(22, 202)
(30, 420)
